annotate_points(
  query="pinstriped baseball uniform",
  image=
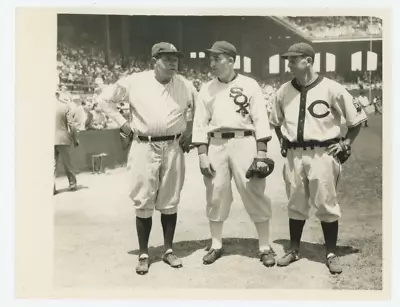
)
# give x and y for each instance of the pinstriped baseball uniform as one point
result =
(156, 168)
(313, 113)
(225, 107)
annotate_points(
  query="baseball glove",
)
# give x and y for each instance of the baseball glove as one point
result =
(260, 168)
(345, 153)
(126, 137)
(284, 147)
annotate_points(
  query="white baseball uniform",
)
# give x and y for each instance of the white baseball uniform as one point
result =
(313, 113)
(157, 169)
(236, 106)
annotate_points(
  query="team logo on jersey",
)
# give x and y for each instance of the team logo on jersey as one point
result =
(358, 105)
(319, 109)
(240, 100)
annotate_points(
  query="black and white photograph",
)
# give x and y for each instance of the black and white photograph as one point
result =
(218, 152)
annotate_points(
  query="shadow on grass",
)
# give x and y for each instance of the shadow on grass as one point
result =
(315, 251)
(246, 247)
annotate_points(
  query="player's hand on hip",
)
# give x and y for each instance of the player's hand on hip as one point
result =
(334, 149)
(206, 167)
(76, 143)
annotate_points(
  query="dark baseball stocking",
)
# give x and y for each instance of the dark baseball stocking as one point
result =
(330, 231)
(296, 230)
(143, 228)
(168, 222)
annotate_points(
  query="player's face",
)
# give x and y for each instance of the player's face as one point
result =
(220, 64)
(167, 64)
(298, 65)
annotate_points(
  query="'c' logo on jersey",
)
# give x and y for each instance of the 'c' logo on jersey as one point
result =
(316, 109)
(240, 100)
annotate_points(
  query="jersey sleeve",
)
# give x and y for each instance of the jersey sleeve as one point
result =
(259, 114)
(202, 117)
(276, 115)
(110, 96)
(351, 110)
(191, 102)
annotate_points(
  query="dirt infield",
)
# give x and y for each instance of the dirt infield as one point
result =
(96, 245)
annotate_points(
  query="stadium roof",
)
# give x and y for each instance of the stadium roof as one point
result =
(285, 23)
(280, 21)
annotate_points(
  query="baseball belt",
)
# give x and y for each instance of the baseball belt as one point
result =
(230, 135)
(311, 144)
(159, 138)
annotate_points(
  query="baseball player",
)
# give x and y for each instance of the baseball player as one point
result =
(159, 102)
(364, 102)
(306, 115)
(65, 135)
(231, 131)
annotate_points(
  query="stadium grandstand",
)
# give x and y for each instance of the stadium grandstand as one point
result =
(95, 50)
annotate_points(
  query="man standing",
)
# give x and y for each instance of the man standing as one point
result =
(65, 136)
(307, 114)
(364, 102)
(231, 129)
(159, 102)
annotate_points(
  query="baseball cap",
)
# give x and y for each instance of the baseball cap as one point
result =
(165, 48)
(299, 49)
(223, 47)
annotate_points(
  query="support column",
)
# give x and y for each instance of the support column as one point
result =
(322, 62)
(125, 42)
(364, 60)
(107, 39)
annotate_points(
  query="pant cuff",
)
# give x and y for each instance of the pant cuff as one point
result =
(298, 216)
(144, 214)
(169, 211)
(328, 218)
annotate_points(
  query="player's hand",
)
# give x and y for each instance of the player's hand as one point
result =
(284, 148)
(206, 167)
(126, 130)
(185, 142)
(262, 166)
(334, 149)
(76, 143)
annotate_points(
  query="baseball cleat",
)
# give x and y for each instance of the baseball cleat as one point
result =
(72, 187)
(172, 259)
(268, 258)
(333, 264)
(142, 267)
(289, 257)
(212, 255)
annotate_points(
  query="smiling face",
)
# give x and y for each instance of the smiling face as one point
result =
(166, 65)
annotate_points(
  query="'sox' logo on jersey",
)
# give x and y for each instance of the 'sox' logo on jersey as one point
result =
(316, 109)
(240, 100)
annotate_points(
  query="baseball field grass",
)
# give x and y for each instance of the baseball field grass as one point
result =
(95, 242)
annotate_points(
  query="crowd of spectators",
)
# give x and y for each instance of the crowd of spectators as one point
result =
(338, 26)
(82, 72)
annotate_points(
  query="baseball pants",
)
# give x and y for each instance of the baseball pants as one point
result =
(63, 152)
(157, 172)
(232, 158)
(311, 178)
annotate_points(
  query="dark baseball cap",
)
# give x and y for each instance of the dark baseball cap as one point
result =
(165, 48)
(299, 49)
(223, 47)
